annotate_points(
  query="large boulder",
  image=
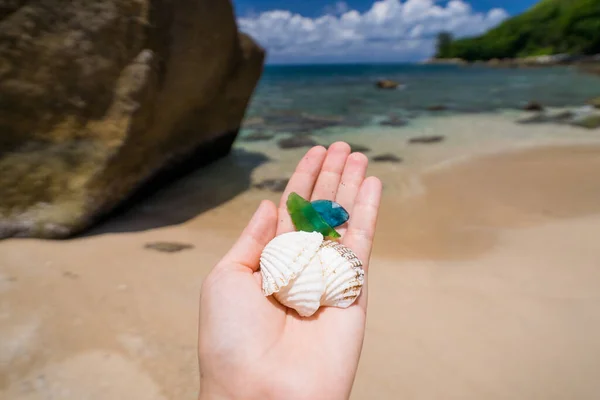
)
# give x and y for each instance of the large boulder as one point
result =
(97, 97)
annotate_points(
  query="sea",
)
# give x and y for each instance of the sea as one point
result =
(292, 98)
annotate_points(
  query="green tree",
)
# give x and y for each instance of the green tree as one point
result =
(549, 27)
(444, 44)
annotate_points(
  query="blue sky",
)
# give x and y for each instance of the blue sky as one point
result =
(318, 31)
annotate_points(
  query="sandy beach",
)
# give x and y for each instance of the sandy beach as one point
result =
(484, 283)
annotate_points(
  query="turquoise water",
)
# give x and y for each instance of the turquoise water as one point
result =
(347, 93)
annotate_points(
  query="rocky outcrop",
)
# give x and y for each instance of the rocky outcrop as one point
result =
(99, 96)
(387, 84)
(533, 106)
(595, 102)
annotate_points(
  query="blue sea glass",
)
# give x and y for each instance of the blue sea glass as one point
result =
(333, 213)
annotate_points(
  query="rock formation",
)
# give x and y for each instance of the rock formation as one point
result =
(97, 97)
(387, 84)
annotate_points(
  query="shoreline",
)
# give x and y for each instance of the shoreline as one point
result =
(495, 250)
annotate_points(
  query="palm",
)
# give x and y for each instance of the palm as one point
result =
(250, 345)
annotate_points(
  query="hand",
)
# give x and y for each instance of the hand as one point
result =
(250, 346)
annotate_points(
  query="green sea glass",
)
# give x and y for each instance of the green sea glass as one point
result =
(306, 218)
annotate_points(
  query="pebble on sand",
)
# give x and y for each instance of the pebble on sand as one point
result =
(168, 247)
(257, 137)
(296, 142)
(276, 185)
(426, 139)
(387, 157)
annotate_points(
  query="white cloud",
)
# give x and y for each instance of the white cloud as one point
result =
(391, 30)
(338, 8)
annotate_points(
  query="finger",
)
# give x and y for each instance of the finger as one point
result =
(331, 173)
(259, 231)
(352, 177)
(363, 220)
(302, 182)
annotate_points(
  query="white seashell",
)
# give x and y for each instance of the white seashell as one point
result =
(304, 293)
(285, 257)
(343, 274)
(304, 272)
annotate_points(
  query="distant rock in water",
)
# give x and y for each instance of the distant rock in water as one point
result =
(394, 121)
(387, 84)
(588, 122)
(257, 137)
(584, 117)
(296, 141)
(426, 139)
(168, 247)
(541, 118)
(290, 121)
(97, 97)
(437, 107)
(595, 102)
(274, 185)
(533, 106)
(387, 157)
(254, 122)
(445, 61)
(562, 116)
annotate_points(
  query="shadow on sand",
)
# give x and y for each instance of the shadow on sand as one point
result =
(184, 197)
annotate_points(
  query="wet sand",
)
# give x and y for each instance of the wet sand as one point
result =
(485, 279)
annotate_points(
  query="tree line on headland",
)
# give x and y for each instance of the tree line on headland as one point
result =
(568, 27)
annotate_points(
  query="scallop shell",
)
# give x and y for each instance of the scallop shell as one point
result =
(343, 274)
(285, 257)
(304, 272)
(304, 293)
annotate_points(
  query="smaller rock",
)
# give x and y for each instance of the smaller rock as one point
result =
(296, 141)
(257, 137)
(595, 102)
(358, 148)
(274, 185)
(541, 118)
(168, 247)
(253, 122)
(70, 275)
(563, 116)
(394, 121)
(387, 157)
(387, 84)
(588, 122)
(426, 139)
(533, 106)
(437, 107)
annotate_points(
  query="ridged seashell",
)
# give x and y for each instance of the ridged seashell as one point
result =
(285, 257)
(304, 272)
(304, 293)
(343, 273)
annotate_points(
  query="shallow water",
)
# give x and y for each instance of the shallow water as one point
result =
(348, 93)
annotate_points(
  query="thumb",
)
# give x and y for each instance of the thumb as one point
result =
(259, 231)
